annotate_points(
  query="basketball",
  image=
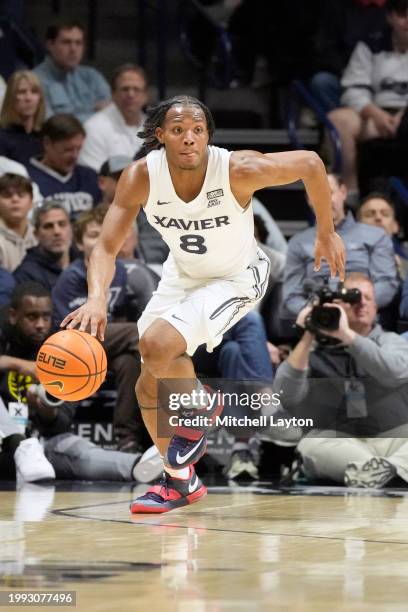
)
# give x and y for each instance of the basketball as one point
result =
(71, 365)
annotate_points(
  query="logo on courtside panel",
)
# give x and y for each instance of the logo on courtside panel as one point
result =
(213, 196)
(56, 383)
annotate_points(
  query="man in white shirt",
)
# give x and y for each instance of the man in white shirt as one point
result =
(113, 130)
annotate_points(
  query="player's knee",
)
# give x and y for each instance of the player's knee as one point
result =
(154, 352)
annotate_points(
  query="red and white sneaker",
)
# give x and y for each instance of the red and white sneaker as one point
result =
(170, 493)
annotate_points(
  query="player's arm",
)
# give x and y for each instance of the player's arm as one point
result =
(250, 171)
(131, 193)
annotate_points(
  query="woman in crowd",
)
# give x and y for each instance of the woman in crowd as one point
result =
(21, 117)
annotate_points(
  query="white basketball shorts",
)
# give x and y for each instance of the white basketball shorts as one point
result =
(203, 310)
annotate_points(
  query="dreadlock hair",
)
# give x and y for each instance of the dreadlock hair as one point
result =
(155, 116)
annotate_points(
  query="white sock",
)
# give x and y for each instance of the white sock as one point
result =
(184, 473)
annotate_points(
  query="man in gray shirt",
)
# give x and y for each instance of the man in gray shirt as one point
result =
(70, 87)
(356, 393)
(368, 250)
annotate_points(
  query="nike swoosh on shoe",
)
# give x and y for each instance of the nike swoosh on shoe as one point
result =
(193, 485)
(182, 458)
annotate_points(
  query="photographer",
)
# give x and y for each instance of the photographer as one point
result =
(24, 406)
(357, 376)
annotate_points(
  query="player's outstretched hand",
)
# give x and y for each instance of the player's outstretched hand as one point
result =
(92, 314)
(331, 247)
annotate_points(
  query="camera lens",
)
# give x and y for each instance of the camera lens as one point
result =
(326, 318)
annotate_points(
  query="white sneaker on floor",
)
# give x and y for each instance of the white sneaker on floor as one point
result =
(149, 467)
(373, 474)
(31, 463)
(242, 465)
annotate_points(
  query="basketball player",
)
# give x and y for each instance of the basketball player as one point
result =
(199, 198)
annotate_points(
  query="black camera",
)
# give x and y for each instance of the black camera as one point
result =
(323, 318)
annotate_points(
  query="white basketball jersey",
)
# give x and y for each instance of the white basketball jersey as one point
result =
(210, 237)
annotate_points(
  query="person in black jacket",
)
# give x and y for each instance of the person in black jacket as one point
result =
(25, 407)
(45, 262)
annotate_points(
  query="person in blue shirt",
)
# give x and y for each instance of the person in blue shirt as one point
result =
(121, 339)
(378, 209)
(71, 288)
(69, 86)
(368, 250)
(57, 173)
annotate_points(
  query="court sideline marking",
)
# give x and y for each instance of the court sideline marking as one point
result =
(65, 512)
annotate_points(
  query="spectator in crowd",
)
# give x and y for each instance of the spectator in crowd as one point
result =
(379, 210)
(121, 338)
(275, 239)
(342, 24)
(276, 258)
(69, 455)
(375, 93)
(69, 86)
(71, 289)
(141, 280)
(360, 397)
(7, 284)
(16, 232)
(109, 174)
(152, 249)
(368, 250)
(57, 172)
(151, 246)
(114, 130)
(12, 167)
(22, 116)
(403, 309)
(45, 262)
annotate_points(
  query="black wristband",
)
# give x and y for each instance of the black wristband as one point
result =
(299, 330)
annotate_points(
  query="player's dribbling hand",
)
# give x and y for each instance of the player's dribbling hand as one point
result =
(92, 314)
(331, 247)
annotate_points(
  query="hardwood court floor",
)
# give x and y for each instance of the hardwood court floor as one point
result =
(320, 549)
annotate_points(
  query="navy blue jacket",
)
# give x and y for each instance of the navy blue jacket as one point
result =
(16, 144)
(71, 291)
(40, 266)
(7, 284)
